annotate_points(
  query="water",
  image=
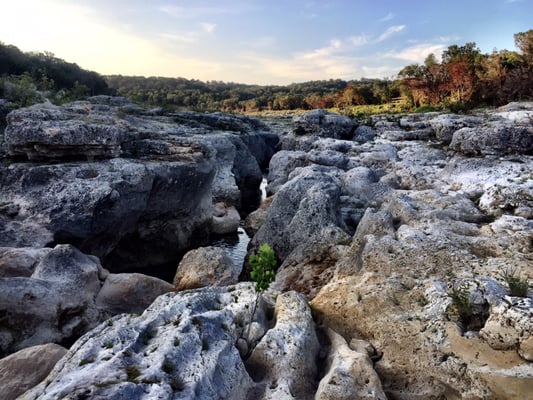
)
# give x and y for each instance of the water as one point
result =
(235, 245)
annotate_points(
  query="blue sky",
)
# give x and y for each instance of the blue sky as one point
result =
(265, 42)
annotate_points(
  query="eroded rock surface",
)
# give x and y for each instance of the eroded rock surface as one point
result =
(436, 206)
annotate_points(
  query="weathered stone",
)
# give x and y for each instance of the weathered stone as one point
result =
(20, 261)
(305, 209)
(225, 219)
(26, 368)
(255, 219)
(325, 124)
(55, 304)
(205, 266)
(130, 293)
(184, 346)
(283, 362)
(494, 138)
(349, 375)
(445, 125)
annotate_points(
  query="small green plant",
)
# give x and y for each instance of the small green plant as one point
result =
(84, 361)
(176, 342)
(132, 372)
(263, 263)
(516, 285)
(168, 367)
(108, 344)
(461, 304)
(263, 274)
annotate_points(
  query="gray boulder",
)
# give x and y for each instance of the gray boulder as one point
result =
(225, 219)
(26, 368)
(324, 124)
(495, 138)
(304, 210)
(129, 293)
(445, 125)
(20, 261)
(184, 346)
(130, 213)
(56, 304)
(205, 266)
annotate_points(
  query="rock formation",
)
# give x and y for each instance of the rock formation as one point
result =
(133, 188)
(399, 242)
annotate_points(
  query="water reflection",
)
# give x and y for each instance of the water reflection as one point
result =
(235, 245)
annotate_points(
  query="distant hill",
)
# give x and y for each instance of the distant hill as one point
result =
(22, 74)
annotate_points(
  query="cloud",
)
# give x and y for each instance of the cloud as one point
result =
(387, 17)
(207, 27)
(389, 32)
(418, 53)
(359, 40)
(187, 38)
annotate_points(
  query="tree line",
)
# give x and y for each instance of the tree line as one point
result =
(29, 77)
(466, 78)
(463, 78)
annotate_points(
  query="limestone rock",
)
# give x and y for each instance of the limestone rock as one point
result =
(445, 125)
(304, 210)
(494, 138)
(205, 266)
(185, 346)
(510, 325)
(55, 304)
(283, 362)
(26, 368)
(349, 375)
(20, 261)
(325, 124)
(225, 219)
(255, 219)
(130, 293)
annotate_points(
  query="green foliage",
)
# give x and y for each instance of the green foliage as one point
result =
(263, 263)
(516, 285)
(461, 304)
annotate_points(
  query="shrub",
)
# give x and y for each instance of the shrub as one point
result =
(263, 263)
(462, 305)
(516, 285)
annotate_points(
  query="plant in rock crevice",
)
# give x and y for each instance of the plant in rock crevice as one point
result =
(263, 263)
(517, 286)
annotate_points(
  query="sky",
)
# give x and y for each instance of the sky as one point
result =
(258, 42)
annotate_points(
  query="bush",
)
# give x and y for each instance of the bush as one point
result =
(263, 263)
(516, 285)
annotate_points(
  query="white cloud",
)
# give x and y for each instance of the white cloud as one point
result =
(387, 17)
(359, 40)
(391, 31)
(207, 27)
(416, 54)
(187, 38)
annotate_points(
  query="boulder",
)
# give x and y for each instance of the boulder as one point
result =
(20, 261)
(510, 326)
(129, 293)
(495, 138)
(55, 304)
(445, 125)
(48, 131)
(349, 374)
(184, 346)
(205, 266)
(131, 214)
(284, 361)
(324, 124)
(26, 368)
(304, 210)
(255, 219)
(363, 134)
(225, 219)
